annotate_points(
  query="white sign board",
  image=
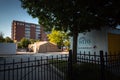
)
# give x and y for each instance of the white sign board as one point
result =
(93, 41)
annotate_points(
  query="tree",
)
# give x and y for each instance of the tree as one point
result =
(8, 40)
(19, 45)
(67, 44)
(58, 37)
(24, 42)
(55, 37)
(74, 15)
(1, 37)
(32, 41)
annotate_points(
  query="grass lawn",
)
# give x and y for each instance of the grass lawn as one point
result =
(84, 71)
(59, 64)
(87, 71)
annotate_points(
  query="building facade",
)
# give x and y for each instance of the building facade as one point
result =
(27, 30)
(106, 39)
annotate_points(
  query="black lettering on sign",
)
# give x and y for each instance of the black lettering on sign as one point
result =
(84, 41)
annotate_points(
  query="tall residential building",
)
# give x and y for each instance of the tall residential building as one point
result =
(21, 29)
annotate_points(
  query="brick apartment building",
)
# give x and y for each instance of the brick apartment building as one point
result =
(21, 29)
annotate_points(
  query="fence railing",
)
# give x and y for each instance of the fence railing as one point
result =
(93, 66)
(37, 68)
(102, 64)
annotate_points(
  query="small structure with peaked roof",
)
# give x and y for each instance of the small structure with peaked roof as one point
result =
(44, 46)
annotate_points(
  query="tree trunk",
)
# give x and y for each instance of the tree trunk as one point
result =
(75, 36)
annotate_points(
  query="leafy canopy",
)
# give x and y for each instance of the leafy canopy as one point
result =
(24, 42)
(58, 37)
(68, 14)
(8, 40)
(1, 37)
(55, 37)
(74, 15)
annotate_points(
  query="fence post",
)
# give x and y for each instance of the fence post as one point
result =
(70, 65)
(106, 59)
(102, 66)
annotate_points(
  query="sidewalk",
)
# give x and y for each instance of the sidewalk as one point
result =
(26, 54)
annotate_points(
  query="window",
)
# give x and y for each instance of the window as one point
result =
(17, 23)
(27, 32)
(27, 28)
(21, 24)
(37, 30)
(27, 25)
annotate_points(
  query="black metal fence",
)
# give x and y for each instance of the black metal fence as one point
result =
(37, 68)
(89, 66)
(95, 66)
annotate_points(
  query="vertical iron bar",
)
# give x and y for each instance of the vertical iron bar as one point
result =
(47, 67)
(110, 61)
(52, 68)
(32, 72)
(89, 60)
(4, 67)
(25, 71)
(106, 60)
(95, 58)
(70, 76)
(17, 72)
(13, 69)
(35, 68)
(21, 68)
(8, 72)
(116, 63)
(102, 65)
(38, 69)
(63, 69)
(56, 67)
(84, 57)
(41, 69)
(66, 75)
(80, 57)
(44, 69)
(28, 68)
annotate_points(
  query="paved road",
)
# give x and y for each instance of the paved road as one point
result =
(29, 54)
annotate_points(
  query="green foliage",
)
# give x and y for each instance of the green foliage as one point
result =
(58, 37)
(70, 14)
(1, 37)
(8, 40)
(55, 37)
(24, 43)
(67, 44)
(74, 15)
(19, 45)
(32, 41)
